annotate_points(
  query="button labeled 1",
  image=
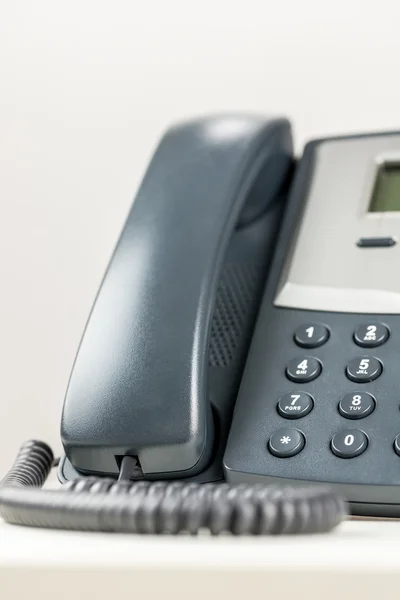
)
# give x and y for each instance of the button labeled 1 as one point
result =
(311, 335)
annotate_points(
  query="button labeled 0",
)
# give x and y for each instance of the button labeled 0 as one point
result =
(349, 443)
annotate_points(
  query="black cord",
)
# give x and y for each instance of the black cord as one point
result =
(99, 504)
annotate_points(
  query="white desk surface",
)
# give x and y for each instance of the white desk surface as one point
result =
(359, 560)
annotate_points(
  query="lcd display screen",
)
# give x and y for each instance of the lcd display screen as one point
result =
(386, 194)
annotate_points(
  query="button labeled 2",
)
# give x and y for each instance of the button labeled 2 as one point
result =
(371, 335)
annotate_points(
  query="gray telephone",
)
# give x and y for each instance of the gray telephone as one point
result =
(245, 334)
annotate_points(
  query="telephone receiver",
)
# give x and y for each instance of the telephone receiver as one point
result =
(160, 363)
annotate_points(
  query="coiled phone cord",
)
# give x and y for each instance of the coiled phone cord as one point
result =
(97, 504)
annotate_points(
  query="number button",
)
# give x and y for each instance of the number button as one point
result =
(286, 442)
(396, 445)
(303, 369)
(295, 406)
(357, 405)
(349, 443)
(311, 335)
(364, 369)
(372, 335)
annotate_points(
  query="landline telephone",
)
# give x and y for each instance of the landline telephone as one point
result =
(246, 331)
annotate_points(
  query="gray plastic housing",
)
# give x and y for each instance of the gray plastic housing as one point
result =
(140, 384)
(371, 481)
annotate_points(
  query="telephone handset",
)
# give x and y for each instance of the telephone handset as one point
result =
(159, 365)
(245, 334)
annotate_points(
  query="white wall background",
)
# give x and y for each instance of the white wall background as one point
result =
(86, 88)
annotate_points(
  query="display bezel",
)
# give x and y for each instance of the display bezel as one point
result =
(383, 166)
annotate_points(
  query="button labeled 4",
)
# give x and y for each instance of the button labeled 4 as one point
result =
(303, 369)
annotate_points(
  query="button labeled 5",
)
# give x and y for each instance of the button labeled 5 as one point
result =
(363, 369)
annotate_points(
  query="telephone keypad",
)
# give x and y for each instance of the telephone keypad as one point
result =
(311, 335)
(371, 335)
(286, 442)
(303, 369)
(349, 443)
(356, 405)
(295, 406)
(367, 410)
(364, 369)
